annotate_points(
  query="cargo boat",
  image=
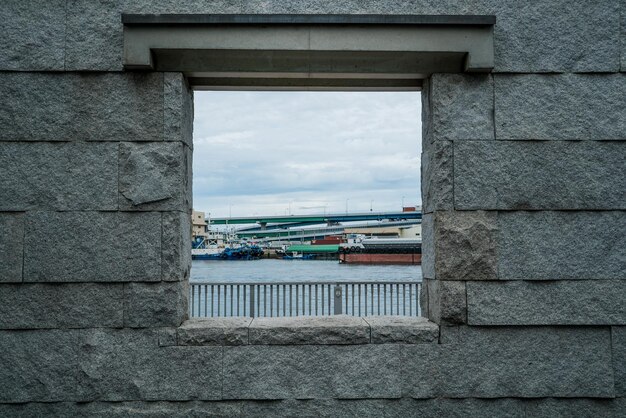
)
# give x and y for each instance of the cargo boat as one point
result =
(382, 251)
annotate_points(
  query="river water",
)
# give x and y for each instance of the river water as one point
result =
(225, 288)
(282, 271)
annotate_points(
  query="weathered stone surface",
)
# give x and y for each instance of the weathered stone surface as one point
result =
(117, 106)
(155, 304)
(35, 107)
(512, 362)
(460, 107)
(33, 35)
(58, 176)
(539, 175)
(11, 247)
(167, 337)
(61, 305)
(402, 329)
(389, 408)
(575, 302)
(214, 331)
(117, 365)
(459, 245)
(153, 176)
(618, 338)
(561, 245)
(575, 408)
(94, 38)
(175, 246)
(437, 176)
(38, 365)
(312, 371)
(553, 36)
(549, 107)
(178, 109)
(84, 106)
(92, 246)
(428, 246)
(447, 302)
(340, 329)
(623, 37)
(164, 409)
(384, 408)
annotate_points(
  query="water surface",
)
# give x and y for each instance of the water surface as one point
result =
(282, 271)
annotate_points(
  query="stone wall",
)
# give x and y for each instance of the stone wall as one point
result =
(524, 189)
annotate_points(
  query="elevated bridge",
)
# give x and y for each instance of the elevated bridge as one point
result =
(302, 220)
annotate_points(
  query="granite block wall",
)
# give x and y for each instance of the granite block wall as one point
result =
(523, 186)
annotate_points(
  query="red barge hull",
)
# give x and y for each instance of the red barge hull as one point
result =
(364, 258)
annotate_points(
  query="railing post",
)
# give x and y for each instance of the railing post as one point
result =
(251, 301)
(338, 300)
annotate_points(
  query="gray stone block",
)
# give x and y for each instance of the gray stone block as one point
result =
(33, 35)
(178, 109)
(58, 176)
(575, 408)
(11, 247)
(447, 302)
(167, 337)
(554, 110)
(160, 409)
(155, 304)
(214, 331)
(61, 305)
(460, 107)
(312, 371)
(618, 339)
(459, 245)
(510, 175)
(340, 329)
(94, 38)
(561, 245)
(35, 107)
(117, 106)
(38, 366)
(516, 362)
(554, 36)
(83, 106)
(118, 365)
(175, 246)
(92, 246)
(437, 176)
(576, 302)
(402, 329)
(428, 246)
(153, 176)
(623, 37)
(436, 408)
(313, 408)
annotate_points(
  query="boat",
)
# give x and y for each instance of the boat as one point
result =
(299, 256)
(381, 251)
(204, 249)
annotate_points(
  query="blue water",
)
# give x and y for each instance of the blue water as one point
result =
(283, 271)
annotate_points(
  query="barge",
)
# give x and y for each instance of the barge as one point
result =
(382, 251)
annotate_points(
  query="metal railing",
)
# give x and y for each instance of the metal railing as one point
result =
(304, 299)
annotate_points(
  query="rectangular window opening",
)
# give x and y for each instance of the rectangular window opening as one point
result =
(306, 204)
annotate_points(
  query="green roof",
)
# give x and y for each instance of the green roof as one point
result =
(314, 248)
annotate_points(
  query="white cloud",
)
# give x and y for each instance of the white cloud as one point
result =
(261, 152)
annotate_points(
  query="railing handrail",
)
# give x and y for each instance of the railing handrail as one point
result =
(332, 282)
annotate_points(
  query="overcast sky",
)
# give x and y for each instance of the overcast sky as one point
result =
(309, 152)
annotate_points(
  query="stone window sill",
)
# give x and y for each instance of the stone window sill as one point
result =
(333, 330)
